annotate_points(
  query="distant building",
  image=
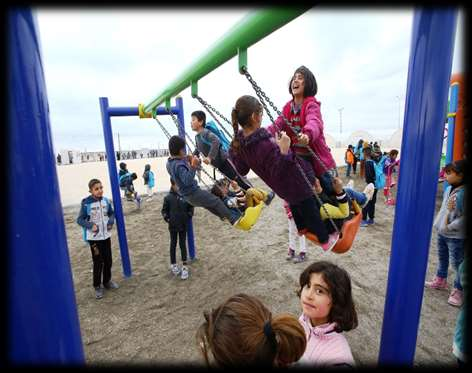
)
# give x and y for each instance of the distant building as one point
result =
(70, 156)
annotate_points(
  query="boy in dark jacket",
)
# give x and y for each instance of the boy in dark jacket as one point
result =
(209, 145)
(368, 212)
(176, 212)
(126, 183)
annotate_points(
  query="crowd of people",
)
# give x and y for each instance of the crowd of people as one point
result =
(242, 330)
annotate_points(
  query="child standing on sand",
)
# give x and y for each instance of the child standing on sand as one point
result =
(148, 177)
(176, 212)
(327, 311)
(292, 238)
(96, 217)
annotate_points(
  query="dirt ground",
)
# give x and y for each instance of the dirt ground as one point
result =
(152, 318)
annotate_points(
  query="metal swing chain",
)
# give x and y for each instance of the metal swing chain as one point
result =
(194, 146)
(262, 96)
(213, 111)
(163, 128)
(260, 93)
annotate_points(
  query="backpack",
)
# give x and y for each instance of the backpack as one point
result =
(211, 126)
(379, 173)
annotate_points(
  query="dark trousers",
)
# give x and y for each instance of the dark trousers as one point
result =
(354, 166)
(228, 170)
(102, 261)
(306, 214)
(181, 235)
(369, 210)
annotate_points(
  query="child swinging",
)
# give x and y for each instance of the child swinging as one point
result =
(276, 164)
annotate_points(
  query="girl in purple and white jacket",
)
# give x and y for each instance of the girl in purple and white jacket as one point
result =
(253, 148)
(328, 310)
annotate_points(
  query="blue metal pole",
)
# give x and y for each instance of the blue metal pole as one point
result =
(429, 72)
(161, 110)
(43, 325)
(115, 188)
(123, 111)
(451, 122)
(179, 104)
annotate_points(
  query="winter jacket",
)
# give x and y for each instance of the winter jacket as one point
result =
(308, 121)
(148, 176)
(176, 212)
(325, 347)
(349, 157)
(369, 171)
(209, 144)
(99, 212)
(451, 224)
(260, 153)
(179, 170)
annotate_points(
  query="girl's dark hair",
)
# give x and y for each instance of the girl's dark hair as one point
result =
(458, 167)
(243, 109)
(217, 188)
(123, 165)
(242, 331)
(92, 182)
(367, 151)
(311, 87)
(393, 152)
(200, 115)
(176, 144)
(343, 311)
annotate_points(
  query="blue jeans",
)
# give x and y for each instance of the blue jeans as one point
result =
(359, 197)
(453, 248)
(348, 169)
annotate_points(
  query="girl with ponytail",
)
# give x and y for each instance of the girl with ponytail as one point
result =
(254, 148)
(242, 331)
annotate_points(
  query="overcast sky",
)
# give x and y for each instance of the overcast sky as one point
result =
(359, 58)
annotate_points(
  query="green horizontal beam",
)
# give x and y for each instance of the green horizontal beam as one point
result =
(251, 29)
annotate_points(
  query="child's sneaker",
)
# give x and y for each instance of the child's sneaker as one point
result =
(98, 292)
(350, 185)
(300, 258)
(184, 273)
(270, 197)
(291, 254)
(364, 223)
(111, 285)
(175, 269)
(332, 239)
(437, 283)
(370, 221)
(455, 298)
(369, 193)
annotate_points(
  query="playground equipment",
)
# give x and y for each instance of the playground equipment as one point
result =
(43, 321)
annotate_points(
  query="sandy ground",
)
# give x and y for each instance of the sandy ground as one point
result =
(153, 317)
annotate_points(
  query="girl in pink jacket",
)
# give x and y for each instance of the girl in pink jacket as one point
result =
(328, 310)
(303, 111)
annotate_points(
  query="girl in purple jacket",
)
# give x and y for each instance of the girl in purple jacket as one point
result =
(253, 148)
(303, 111)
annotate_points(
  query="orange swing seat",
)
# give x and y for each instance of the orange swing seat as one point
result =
(347, 234)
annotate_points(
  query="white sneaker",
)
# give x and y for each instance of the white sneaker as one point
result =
(175, 269)
(369, 193)
(184, 273)
(350, 185)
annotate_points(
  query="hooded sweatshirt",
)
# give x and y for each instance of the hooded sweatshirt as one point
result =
(451, 224)
(259, 152)
(306, 120)
(325, 347)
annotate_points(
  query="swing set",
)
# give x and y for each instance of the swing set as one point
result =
(43, 320)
